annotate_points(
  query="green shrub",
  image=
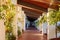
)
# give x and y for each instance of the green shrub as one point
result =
(19, 33)
(10, 36)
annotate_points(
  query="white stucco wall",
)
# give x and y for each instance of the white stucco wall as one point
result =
(2, 30)
(14, 1)
(39, 27)
(58, 34)
(44, 28)
(24, 18)
(19, 9)
(51, 31)
(20, 26)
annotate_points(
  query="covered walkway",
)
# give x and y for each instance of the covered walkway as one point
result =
(32, 35)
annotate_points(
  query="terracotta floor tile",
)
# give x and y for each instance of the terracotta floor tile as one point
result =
(32, 35)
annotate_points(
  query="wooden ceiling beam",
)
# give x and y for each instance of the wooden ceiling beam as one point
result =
(32, 9)
(31, 12)
(55, 5)
(31, 5)
(32, 16)
(43, 4)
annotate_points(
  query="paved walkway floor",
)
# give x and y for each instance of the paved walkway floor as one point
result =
(32, 35)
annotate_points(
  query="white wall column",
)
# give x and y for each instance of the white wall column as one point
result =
(2, 30)
(40, 27)
(24, 20)
(44, 27)
(51, 31)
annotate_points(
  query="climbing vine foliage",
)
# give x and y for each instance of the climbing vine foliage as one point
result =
(7, 13)
(54, 16)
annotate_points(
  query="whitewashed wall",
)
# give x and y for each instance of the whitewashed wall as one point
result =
(40, 27)
(19, 22)
(58, 34)
(14, 1)
(44, 27)
(20, 26)
(2, 30)
(51, 31)
(23, 18)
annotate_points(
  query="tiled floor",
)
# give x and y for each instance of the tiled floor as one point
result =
(32, 35)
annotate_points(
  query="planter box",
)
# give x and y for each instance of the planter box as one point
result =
(2, 30)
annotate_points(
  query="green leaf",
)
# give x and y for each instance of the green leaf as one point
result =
(5, 7)
(1, 9)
